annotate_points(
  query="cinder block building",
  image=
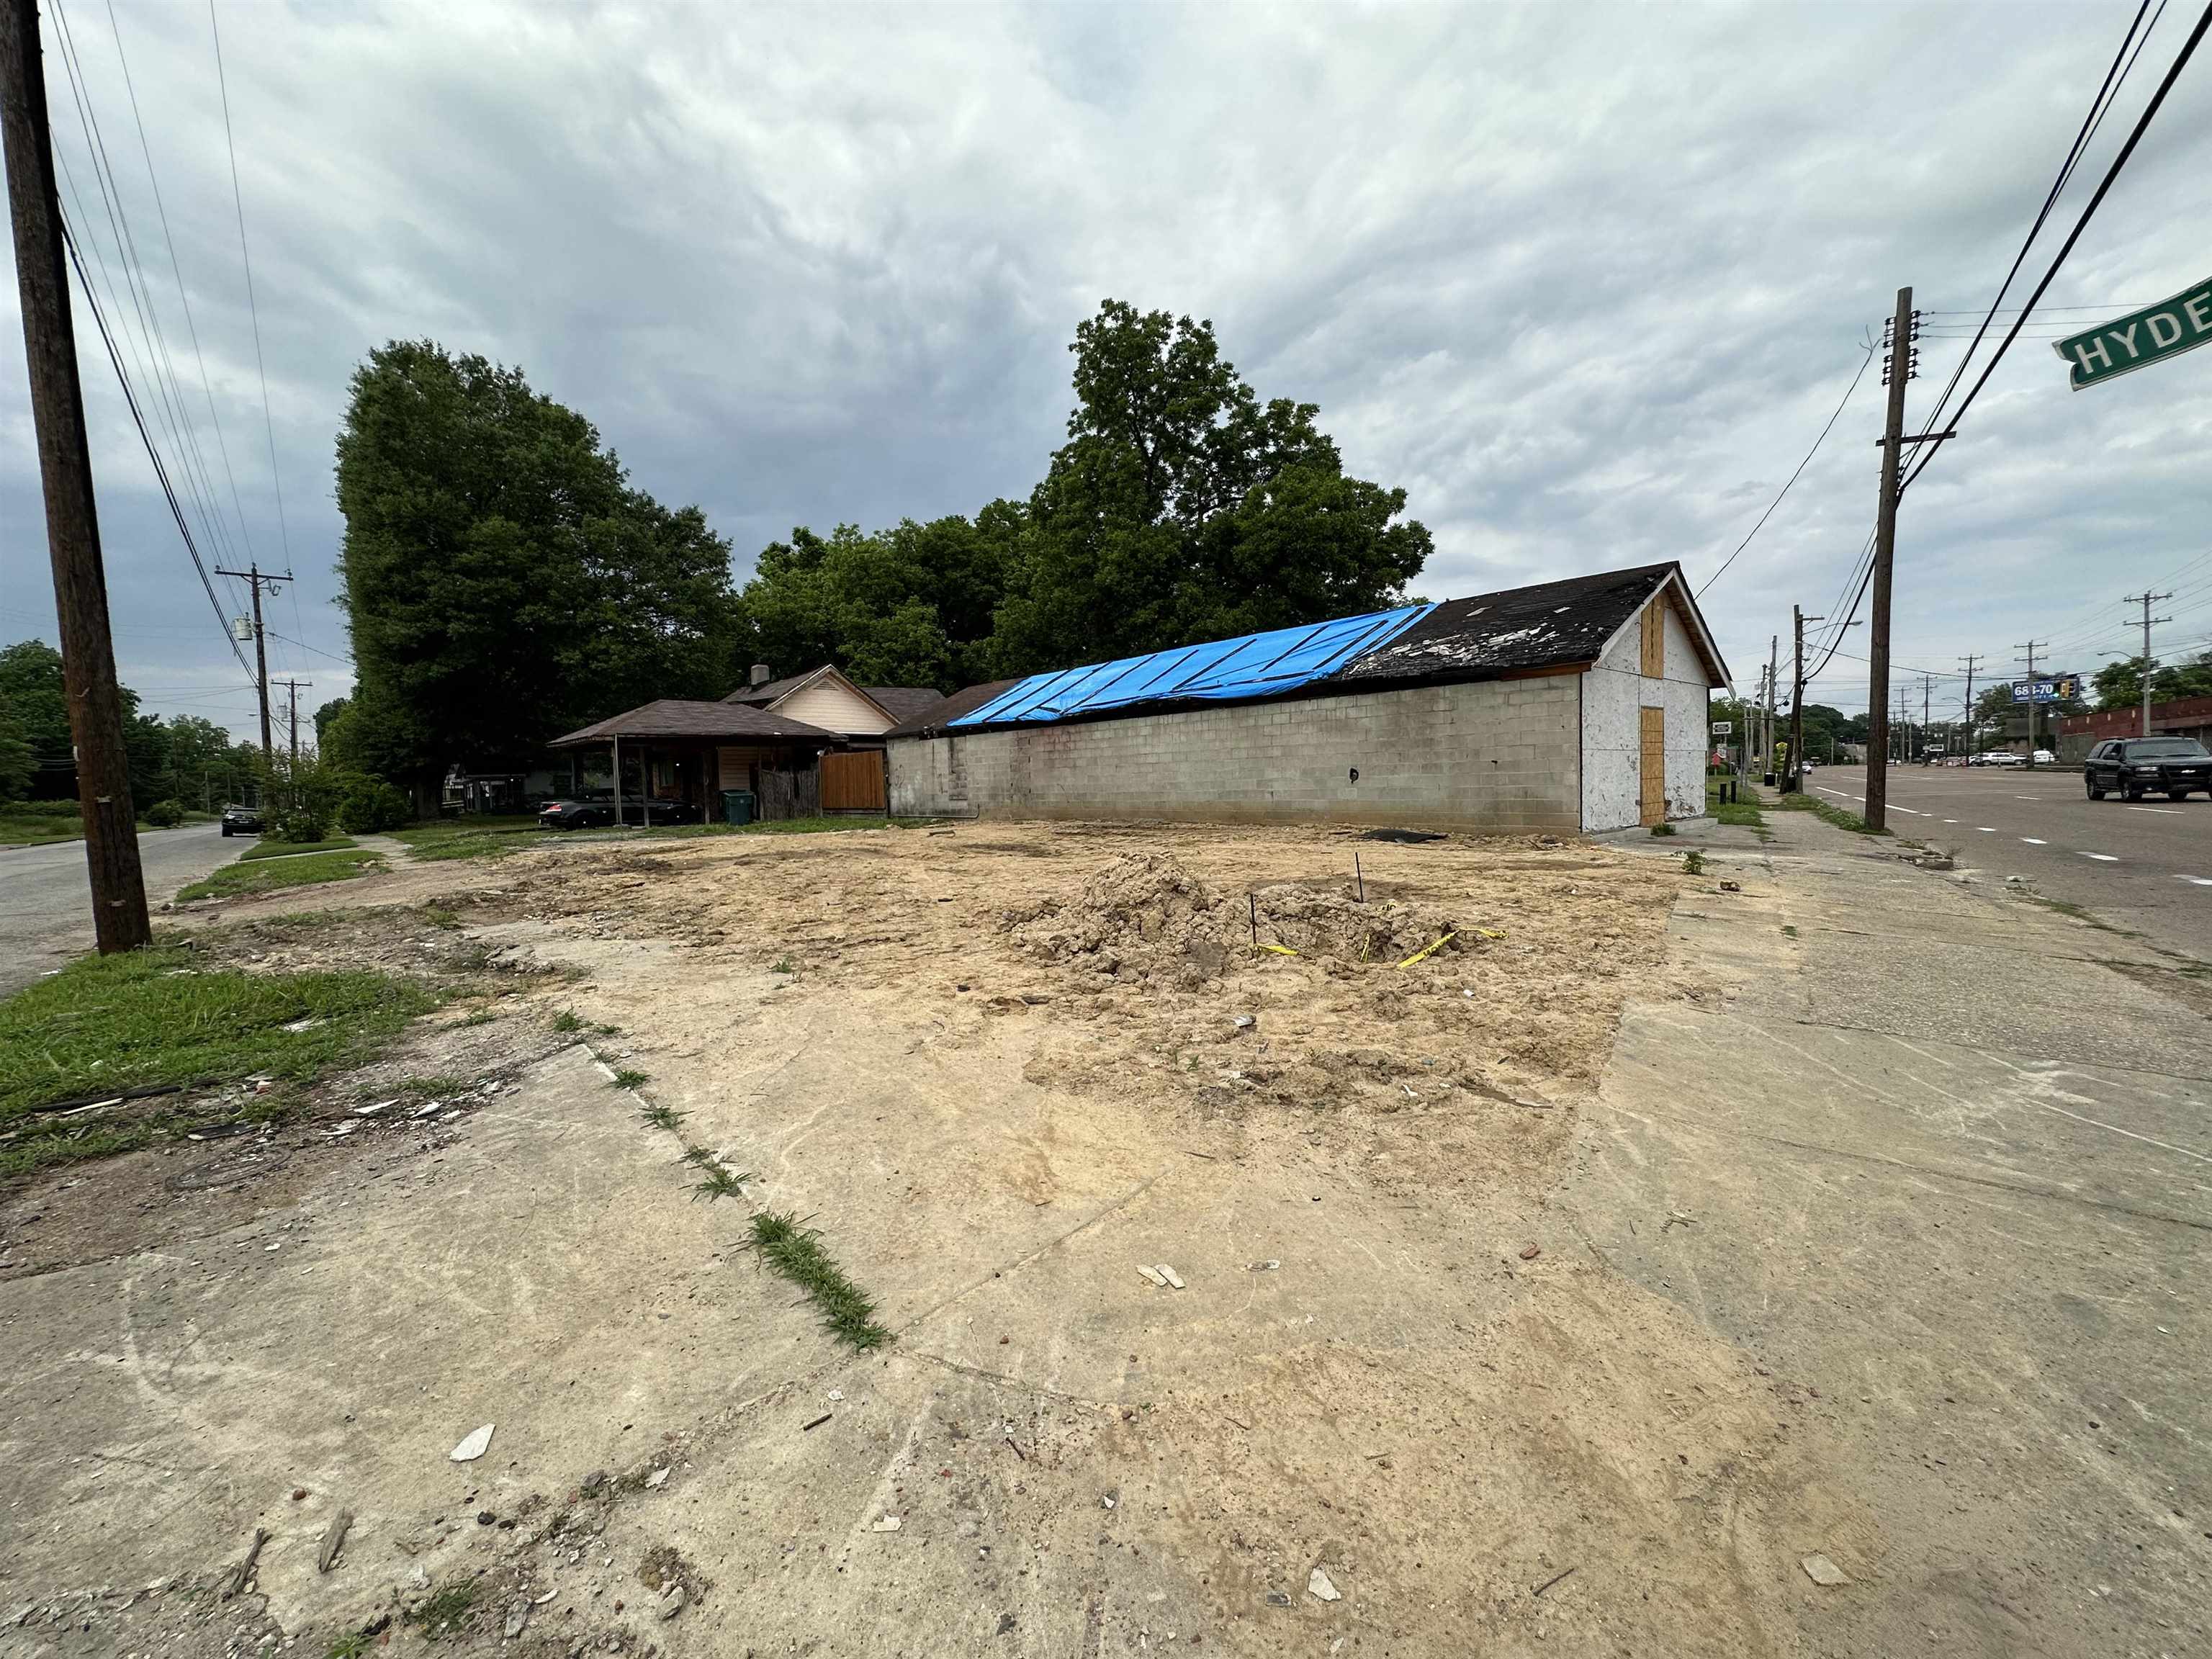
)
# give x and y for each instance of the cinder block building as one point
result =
(1576, 705)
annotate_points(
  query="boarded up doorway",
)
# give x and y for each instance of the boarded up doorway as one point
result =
(853, 782)
(1651, 767)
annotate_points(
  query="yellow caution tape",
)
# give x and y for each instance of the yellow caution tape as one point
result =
(1438, 945)
(1279, 950)
(1491, 933)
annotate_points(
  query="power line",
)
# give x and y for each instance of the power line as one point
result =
(1802, 465)
(176, 269)
(2119, 161)
(2090, 122)
(92, 302)
(246, 257)
(315, 650)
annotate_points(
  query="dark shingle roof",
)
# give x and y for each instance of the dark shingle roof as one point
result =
(941, 709)
(727, 722)
(770, 691)
(903, 703)
(1545, 626)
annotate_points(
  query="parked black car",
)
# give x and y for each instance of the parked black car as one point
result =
(2134, 766)
(588, 814)
(241, 820)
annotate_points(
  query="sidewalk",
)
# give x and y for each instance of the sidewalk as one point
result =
(1941, 1159)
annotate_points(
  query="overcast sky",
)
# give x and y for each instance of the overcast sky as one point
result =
(1586, 282)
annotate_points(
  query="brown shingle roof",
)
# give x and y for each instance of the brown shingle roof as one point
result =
(950, 709)
(671, 717)
(903, 703)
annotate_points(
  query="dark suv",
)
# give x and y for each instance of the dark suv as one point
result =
(2134, 766)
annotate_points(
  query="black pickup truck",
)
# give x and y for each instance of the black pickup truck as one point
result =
(2133, 766)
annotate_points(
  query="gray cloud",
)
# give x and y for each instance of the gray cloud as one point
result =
(1584, 281)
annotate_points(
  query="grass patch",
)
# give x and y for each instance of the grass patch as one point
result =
(1662, 828)
(1829, 812)
(470, 838)
(568, 1021)
(481, 1017)
(718, 1182)
(241, 880)
(796, 1252)
(1694, 863)
(663, 1117)
(447, 1609)
(1743, 814)
(627, 1078)
(354, 1645)
(31, 829)
(783, 965)
(107, 1025)
(265, 848)
(699, 1158)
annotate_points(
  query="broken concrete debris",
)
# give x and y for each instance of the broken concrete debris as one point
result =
(1170, 1275)
(671, 1600)
(1823, 1571)
(1319, 1586)
(888, 1523)
(1152, 1276)
(1531, 1252)
(659, 1477)
(518, 1616)
(475, 1446)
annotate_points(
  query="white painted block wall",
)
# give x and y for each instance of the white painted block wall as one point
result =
(1686, 695)
(1615, 692)
(1498, 756)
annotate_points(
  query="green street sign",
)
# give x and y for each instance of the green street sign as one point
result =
(2166, 330)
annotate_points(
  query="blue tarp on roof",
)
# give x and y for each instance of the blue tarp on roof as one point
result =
(1249, 665)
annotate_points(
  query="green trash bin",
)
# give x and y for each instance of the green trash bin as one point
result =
(736, 806)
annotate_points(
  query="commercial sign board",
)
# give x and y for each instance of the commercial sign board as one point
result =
(1722, 728)
(2139, 339)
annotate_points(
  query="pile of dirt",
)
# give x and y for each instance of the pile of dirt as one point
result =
(1145, 917)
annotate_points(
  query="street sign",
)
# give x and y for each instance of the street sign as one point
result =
(2139, 339)
(1722, 728)
(2053, 690)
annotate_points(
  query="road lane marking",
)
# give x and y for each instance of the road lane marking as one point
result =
(1985, 829)
(2027, 798)
(1915, 813)
(2154, 809)
(2033, 841)
(2101, 858)
(1950, 820)
(2196, 881)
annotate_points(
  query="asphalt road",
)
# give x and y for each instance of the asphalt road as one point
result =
(2146, 865)
(46, 898)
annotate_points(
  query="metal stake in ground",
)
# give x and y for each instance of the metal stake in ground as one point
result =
(89, 678)
(1253, 899)
(1358, 875)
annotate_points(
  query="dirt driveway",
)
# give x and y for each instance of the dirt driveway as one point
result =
(1373, 1393)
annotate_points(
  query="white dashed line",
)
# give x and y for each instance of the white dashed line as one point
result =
(2033, 841)
(1985, 829)
(2196, 881)
(2154, 809)
(2101, 858)
(1950, 820)
(1915, 814)
(2027, 798)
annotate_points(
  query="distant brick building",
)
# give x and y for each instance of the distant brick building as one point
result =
(2183, 717)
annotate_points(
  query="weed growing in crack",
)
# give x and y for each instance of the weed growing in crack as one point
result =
(662, 1118)
(783, 965)
(627, 1078)
(796, 1252)
(568, 1022)
(447, 1609)
(719, 1182)
(1693, 862)
(699, 1158)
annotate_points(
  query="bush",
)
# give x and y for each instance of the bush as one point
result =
(166, 814)
(370, 804)
(298, 825)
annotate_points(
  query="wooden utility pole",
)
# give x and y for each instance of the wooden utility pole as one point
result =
(89, 678)
(254, 578)
(2031, 648)
(292, 715)
(1798, 619)
(1773, 691)
(2148, 599)
(1897, 371)
(1970, 661)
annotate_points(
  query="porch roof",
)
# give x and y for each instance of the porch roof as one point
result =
(701, 722)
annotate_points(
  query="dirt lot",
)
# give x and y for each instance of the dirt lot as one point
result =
(1396, 1407)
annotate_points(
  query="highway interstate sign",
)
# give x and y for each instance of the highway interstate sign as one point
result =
(2139, 339)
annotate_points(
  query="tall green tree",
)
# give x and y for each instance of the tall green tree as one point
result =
(503, 581)
(35, 704)
(1182, 509)
(2120, 684)
(18, 765)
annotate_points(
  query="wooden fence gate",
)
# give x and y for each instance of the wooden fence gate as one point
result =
(794, 794)
(853, 781)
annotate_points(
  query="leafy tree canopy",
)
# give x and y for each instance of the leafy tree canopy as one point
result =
(2120, 684)
(503, 581)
